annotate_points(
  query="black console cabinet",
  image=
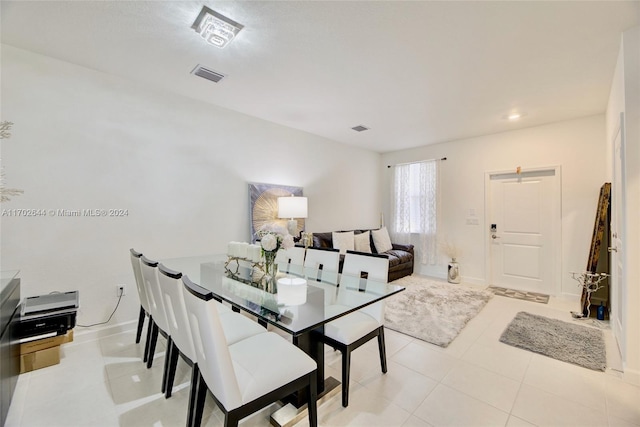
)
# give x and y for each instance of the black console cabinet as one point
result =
(9, 345)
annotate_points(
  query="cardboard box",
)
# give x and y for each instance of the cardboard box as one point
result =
(37, 345)
(39, 359)
(42, 344)
(43, 352)
(68, 337)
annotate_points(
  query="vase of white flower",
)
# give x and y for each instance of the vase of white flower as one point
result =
(453, 272)
(270, 271)
(272, 239)
(452, 251)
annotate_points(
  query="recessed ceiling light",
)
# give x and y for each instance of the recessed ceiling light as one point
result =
(215, 28)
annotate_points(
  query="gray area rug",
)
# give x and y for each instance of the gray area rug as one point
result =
(577, 344)
(431, 310)
(523, 295)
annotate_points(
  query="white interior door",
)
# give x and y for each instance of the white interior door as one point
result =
(524, 230)
(617, 282)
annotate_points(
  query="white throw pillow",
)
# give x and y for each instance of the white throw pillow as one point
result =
(362, 242)
(381, 240)
(343, 241)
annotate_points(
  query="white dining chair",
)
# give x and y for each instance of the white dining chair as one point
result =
(362, 275)
(159, 324)
(236, 327)
(321, 265)
(246, 376)
(291, 260)
(142, 295)
(321, 270)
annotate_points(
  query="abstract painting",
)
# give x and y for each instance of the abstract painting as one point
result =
(263, 206)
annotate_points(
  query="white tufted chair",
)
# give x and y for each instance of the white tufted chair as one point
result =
(351, 331)
(246, 376)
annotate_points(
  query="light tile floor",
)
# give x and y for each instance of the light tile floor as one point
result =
(476, 381)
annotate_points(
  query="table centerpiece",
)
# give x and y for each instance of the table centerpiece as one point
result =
(272, 238)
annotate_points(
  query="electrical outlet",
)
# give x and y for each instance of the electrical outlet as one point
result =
(121, 290)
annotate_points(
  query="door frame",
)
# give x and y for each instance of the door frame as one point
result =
(618, 282)
(556, 226)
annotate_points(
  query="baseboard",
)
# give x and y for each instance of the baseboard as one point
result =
(433, 276)
(96, 332)
(631, 376)
(473, 281)
(440, 272)
(463, 279)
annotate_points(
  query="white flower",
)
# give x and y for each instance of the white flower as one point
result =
(287, 241)
(273, 228)
(269, 242)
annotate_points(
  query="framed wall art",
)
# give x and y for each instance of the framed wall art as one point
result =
(263, 206)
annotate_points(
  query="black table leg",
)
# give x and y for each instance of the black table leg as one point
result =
(310, 344)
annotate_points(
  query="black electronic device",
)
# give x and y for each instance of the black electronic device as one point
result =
(46, 314)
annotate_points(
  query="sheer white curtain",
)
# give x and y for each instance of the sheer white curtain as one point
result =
(414, 207)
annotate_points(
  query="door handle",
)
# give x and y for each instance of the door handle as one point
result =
(493, 236)
(612, 249)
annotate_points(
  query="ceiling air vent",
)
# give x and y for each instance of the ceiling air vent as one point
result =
(360, 128)
(208, 74)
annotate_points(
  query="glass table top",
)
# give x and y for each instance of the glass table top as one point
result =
(299, 305)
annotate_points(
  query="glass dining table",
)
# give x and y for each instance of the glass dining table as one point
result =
(300, 306)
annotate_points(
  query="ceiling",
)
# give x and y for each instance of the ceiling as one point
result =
(415, 73)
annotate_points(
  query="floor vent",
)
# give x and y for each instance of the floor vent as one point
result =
(208, 74)
(360, 128)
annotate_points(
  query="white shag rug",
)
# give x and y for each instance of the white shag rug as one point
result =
(431, 310)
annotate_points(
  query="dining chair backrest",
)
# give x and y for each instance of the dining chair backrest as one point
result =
(322, 265)
(137, 274)
(173, 298)
(150, 276)
(376, 266)
(363, 270)
(212, 352)
(291, 260)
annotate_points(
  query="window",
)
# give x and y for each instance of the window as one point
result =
(414, 206)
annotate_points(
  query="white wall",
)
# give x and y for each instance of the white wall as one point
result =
(83, 139)
(576, 146)
(625, 97)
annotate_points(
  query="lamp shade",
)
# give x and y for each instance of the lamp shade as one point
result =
(292, 207)
(292, 291)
